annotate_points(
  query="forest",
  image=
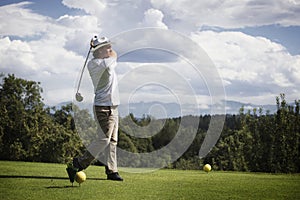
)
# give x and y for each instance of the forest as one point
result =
(252, 140)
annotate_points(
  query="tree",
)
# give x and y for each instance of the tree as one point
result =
(21, 106)
(29, 131)
(287, 137)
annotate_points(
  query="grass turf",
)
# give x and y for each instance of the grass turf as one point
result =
(24, 180)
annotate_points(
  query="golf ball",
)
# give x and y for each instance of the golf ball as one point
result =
(207, 168)
(80, 177)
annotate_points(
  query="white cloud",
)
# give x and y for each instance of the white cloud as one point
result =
(281, 80)
(91, 7)
(251, 66)
(85, 22)
(51, 54)
(19, 21)
(228, 13)
(41, 61)
(118, 16)
(153, 18)
(77, 31)
(15, 55)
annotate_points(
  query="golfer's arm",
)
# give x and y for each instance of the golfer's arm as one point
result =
(111, 62)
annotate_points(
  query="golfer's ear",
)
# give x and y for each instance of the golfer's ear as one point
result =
(114, 54)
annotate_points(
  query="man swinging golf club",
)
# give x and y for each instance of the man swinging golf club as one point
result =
(102, 71)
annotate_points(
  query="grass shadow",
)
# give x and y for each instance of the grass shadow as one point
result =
(46, 177)
(62, 187)
(34, 177)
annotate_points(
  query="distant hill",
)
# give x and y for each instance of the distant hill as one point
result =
(174, 110)
(169, 110)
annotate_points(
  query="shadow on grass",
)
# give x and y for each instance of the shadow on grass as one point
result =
(45, 177)
(62, 187)
(50, 178)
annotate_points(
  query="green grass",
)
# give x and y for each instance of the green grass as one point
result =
(23, 180)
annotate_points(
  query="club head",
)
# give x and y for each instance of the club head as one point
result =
(78, 97)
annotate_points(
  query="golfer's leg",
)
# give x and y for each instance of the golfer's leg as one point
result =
(112, 148)
(85, 160)
(99, 144)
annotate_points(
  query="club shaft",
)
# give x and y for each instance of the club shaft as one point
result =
(81, 74)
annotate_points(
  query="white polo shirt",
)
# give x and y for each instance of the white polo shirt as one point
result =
(105, 81)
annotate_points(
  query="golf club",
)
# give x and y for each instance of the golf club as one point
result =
(78, 96)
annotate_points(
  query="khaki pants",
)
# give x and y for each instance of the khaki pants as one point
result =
(108, 119)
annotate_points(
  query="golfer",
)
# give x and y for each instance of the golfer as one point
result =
(102, 71)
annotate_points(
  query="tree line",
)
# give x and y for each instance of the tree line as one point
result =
(253, 140)
(260, 142)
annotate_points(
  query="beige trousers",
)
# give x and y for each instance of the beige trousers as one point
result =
(108, 121)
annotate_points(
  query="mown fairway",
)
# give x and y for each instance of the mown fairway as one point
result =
(23, 180)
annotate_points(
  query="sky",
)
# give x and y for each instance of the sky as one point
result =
(253, 44)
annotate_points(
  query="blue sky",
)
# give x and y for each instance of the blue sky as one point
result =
(53, 8)
(254, 44)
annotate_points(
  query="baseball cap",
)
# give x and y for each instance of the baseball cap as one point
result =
(96, 42)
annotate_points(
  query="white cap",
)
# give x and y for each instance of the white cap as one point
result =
(96, 42)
